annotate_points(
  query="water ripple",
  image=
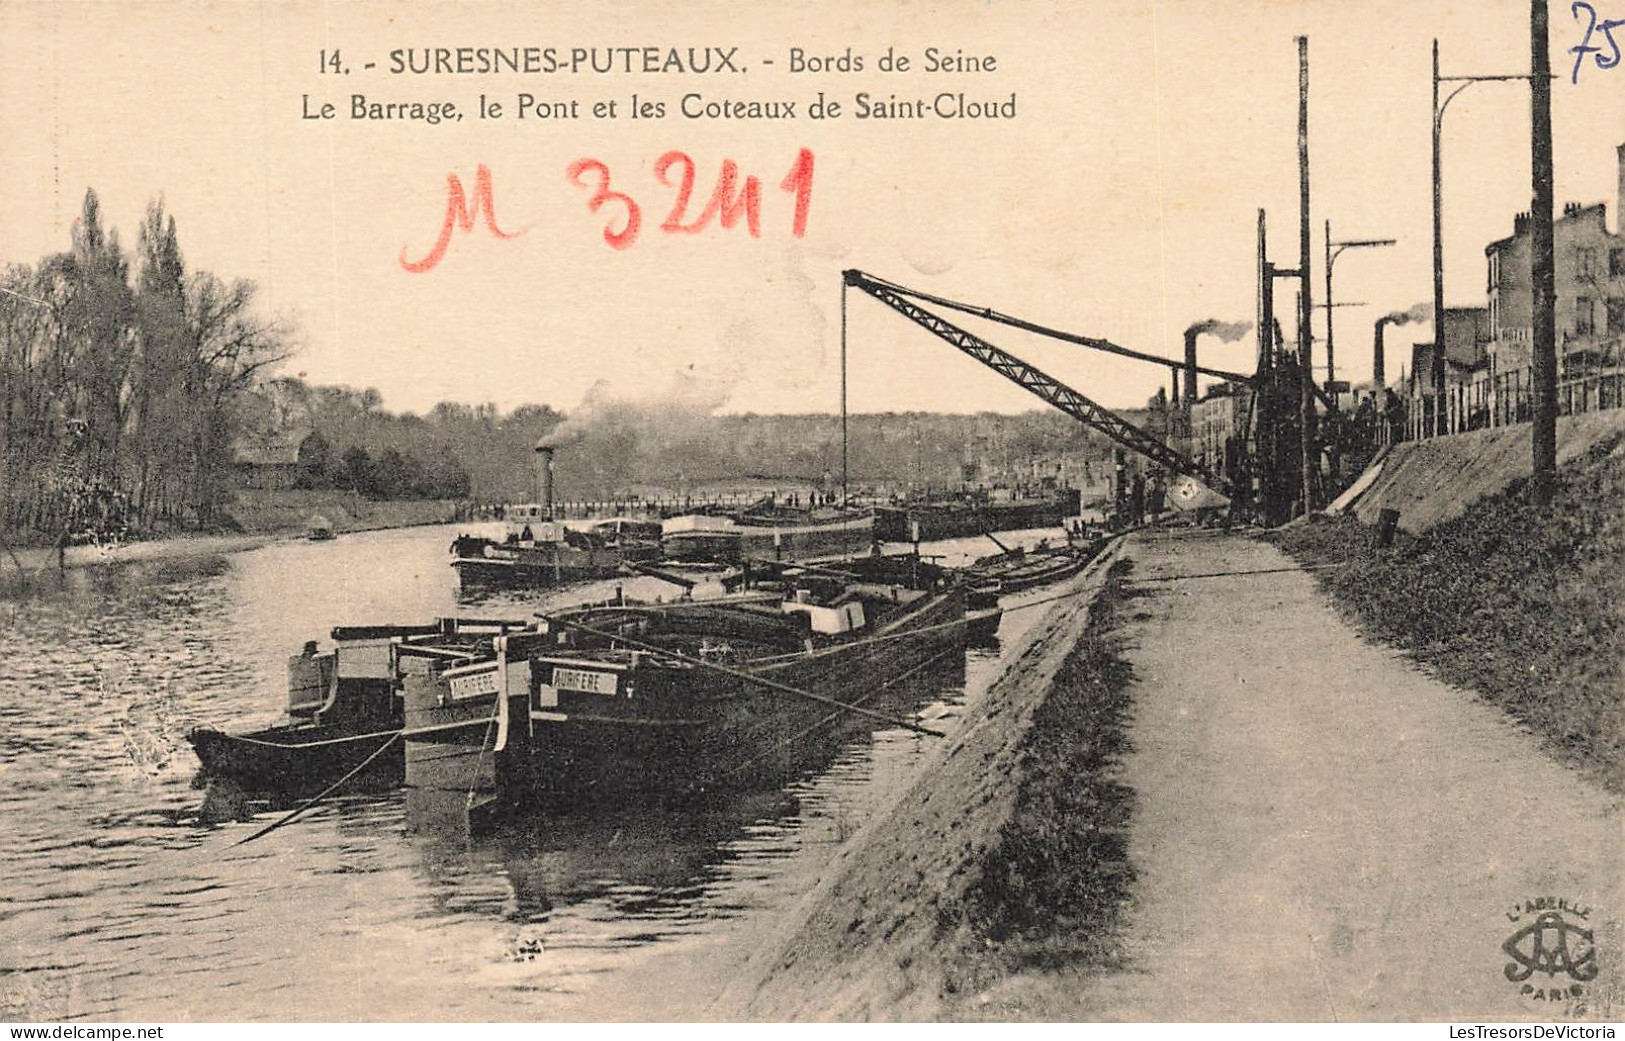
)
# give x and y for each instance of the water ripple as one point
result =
(121, 904)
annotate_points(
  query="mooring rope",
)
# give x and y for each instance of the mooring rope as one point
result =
(474, 775)
(832, 717)
(753, 678)
(312, 801)
(242, 739)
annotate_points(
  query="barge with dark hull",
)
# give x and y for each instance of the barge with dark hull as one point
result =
(344, 712)
(537, 550)
(768, 531)
(909, 570)
(669, 701)
(975, 513)
(541, 552)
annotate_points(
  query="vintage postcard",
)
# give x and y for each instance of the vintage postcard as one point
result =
(909, 510)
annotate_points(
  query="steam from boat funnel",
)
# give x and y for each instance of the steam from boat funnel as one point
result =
(544, 478)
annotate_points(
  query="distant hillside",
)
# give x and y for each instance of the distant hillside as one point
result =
(606, 448)
(884, 450)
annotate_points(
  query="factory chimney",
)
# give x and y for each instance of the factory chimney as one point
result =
(1190, 363)
(544, 478)
(1377, 374)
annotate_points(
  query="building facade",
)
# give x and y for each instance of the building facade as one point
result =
(1590, 281)
(1218, 429)
(1466, 365)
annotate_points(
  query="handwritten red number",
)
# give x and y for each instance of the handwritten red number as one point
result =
(459, 214)
(799, 181)
(730, 206)
(674, 220)
(725, 200)
(602, 194)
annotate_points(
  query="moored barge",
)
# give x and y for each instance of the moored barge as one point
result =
(768, 531)
(670, 700)
(344, 712)
(975, 513)
(538, 550)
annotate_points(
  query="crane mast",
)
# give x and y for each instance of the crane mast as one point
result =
(1037, 382)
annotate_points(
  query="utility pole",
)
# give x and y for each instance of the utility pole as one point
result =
(1264, 388)
(1275, 488)
(844, 501)
(1331, 324)
(1306, 397)
(1541, 260)
(1334, 249)
(1437, 373)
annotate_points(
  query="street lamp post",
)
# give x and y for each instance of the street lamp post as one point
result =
(1438, 373)
(1333, 251)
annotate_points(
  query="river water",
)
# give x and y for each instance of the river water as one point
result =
(120, 901)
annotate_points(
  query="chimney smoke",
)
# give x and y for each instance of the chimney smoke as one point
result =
(1228, 332)
(1415, 313)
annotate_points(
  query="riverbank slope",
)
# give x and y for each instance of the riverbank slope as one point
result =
(1523, 605)
(920, 892)
(1320, 831)
(1438, 479)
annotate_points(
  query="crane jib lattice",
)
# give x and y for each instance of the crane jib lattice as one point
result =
(1036, 381)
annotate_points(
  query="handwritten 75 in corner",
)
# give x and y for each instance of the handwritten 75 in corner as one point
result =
(730, 200)
(1605, 58)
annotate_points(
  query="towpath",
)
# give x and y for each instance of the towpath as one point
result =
(1322, 831)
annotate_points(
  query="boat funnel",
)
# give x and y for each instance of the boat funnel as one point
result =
(544, 478)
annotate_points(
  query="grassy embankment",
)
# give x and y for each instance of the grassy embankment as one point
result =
(1523, 606)
(1053, 889)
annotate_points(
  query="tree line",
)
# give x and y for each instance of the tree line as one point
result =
(129, 383)
(483, 454)
(119, 375)
(350, 442)
(392, 475)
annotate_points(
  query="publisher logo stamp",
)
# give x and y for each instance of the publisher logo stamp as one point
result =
(1551, 951)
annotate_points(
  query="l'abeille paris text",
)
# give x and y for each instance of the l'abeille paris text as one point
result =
(533, 61)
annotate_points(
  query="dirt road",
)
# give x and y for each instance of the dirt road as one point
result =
(1324, 832)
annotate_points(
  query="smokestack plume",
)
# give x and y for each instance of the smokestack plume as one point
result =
(1227, 332)
(544, 477)
(1415, 313)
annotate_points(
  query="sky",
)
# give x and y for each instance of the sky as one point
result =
(1119, 202)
